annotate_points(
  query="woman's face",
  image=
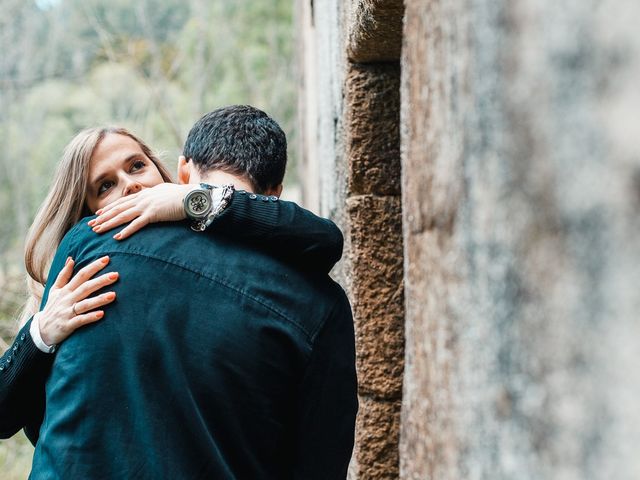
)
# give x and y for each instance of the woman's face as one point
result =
(118, 168)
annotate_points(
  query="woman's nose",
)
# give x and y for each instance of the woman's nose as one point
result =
(132, 187)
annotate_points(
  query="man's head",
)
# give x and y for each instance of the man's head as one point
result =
(241, 141)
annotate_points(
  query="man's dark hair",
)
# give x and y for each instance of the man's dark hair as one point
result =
(241, 140)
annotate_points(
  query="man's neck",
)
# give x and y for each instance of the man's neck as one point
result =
(219, 177)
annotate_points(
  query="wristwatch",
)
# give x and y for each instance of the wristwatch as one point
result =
(204, 203)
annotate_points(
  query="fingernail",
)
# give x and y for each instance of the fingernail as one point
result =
(99, 212)
(105, 259)
(117, 236)
(96, 229)
(110, 295)
(99, 314)
(113, 276)
(67, 261)
(91, 223)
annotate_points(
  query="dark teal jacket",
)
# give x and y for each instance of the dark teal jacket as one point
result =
(219, 360)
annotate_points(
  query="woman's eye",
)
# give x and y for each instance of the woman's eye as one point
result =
(104, 186)
(137, 165)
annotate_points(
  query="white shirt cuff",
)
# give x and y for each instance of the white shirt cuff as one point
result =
(34, 330)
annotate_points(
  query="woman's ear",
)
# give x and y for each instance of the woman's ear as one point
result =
(184, 172)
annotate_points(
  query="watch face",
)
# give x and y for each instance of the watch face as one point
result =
(198, 204)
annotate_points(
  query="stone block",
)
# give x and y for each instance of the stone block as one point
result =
(375, 30)
(521, 277)
(372, 119)
(377, 436)
(376, 292)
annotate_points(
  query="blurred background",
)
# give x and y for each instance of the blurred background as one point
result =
(153, 66)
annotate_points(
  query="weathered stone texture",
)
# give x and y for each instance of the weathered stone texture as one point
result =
(323, 69)
(375, 261)
(372, 129)
(376, 453)
(351, 122)
(520, 149)
(375, 30)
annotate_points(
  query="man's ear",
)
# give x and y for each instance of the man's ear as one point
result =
(277, 190)
(184, 172)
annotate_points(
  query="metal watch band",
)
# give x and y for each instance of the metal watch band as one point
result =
(225, 199)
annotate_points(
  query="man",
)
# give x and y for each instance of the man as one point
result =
(219, 359)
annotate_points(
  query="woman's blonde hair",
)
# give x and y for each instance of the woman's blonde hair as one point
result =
(65, 205)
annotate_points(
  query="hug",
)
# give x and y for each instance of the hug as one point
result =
(182, 330)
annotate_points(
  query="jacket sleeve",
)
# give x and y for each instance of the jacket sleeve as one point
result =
(295, 234)
(328, 401)
(23, 373)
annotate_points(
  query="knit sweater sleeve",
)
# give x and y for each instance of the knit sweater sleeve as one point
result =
(23, 373)
(293, 233)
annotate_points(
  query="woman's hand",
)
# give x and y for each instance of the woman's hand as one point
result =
(162, 203)
(68, 307)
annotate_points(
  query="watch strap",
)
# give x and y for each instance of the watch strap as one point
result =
(220, 198)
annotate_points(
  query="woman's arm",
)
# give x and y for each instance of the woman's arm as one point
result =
(23, 372)
(296, 234)
(25, 366)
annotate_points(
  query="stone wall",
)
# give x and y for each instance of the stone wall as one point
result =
(520, 193)
(521, 161)
(352, 119)
(374, 261)
(322, 60)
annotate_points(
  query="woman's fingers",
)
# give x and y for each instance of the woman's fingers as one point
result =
(87, 272)
(117, 203)
(132, 228)
(112, 212)
(119, 219)
(90, 286)
(68, 306)
(81, 320)
(65, 274)
(92, 303)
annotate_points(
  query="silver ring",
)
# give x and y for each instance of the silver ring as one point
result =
(74, 309)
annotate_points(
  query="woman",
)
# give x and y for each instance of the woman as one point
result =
(99, 168)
